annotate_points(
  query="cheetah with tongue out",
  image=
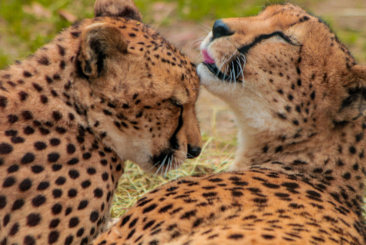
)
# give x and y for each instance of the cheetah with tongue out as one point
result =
(299, 173)
(106, 90)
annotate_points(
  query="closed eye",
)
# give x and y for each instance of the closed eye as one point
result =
(245, 49)
(175, 102)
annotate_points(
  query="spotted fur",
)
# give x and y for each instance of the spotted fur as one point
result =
(106, 90)
(300, 168)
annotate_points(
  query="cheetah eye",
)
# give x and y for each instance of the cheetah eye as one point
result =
(175, 102)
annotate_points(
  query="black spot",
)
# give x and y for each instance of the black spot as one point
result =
(3, 101)
(27, 130)
(86, 156)
(49, 79)
(235, 236)
(12, 119)
(23, 96)
(188, 214)
(312, 95)
(43, 186)
(40, 146)
(74, 174)
(108, 113)
(5, 148)
(56, 209)
(43, 61)
(17, 140)
(13, 168)
(298, 70)
(268, 237)
(11, 133)
(94, 216)
(85, 184)
(38, 200)
(27, 74)
(8, 182)
(98, 193)
(56, 167)
(346, 176)
(18, 204)
(25, 185)
(215, 180)
(44, 131)
(27, 115)
(131, 234)
(54, 223)
(61, 50)
(68, 211)
(80, 232)
(290, 185)
(54, 142)
(133, 223)
(279, 149)
(33, 219)
(29, 240)
(73, 161)
(83, 204)
(2, 202)
(73, 222)
(57, 115)
(150, 208)
(57, 193)
(271, 186)
(53, 237)
(53, 157)
(14, 229)
(44, 99)
(352, 150)
(60, 180)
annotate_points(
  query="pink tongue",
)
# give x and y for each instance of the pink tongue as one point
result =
(206, 57)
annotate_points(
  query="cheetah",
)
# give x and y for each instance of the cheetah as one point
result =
(299, 172)
(106, 90)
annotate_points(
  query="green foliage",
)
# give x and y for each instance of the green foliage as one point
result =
(26, 32)
(4, 60)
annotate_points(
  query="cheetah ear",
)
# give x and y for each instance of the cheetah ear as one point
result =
(354, 104)
(99, 43)
(117, 8)
(360, 74)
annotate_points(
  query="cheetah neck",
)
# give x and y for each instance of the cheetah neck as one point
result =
(333, 161)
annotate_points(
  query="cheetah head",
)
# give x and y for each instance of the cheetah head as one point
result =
(287, 78)
(138, 89)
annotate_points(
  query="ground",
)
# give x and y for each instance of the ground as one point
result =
(347, 18)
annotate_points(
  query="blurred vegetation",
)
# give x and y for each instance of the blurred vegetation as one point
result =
(25, 25)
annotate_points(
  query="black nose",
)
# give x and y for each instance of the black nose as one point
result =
(193, 151)
(220, 29)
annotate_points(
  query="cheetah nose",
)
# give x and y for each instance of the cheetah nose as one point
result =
(220, 29)
(193, 151)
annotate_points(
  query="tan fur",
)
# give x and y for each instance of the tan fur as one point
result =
(300, 166)
(106, 90)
